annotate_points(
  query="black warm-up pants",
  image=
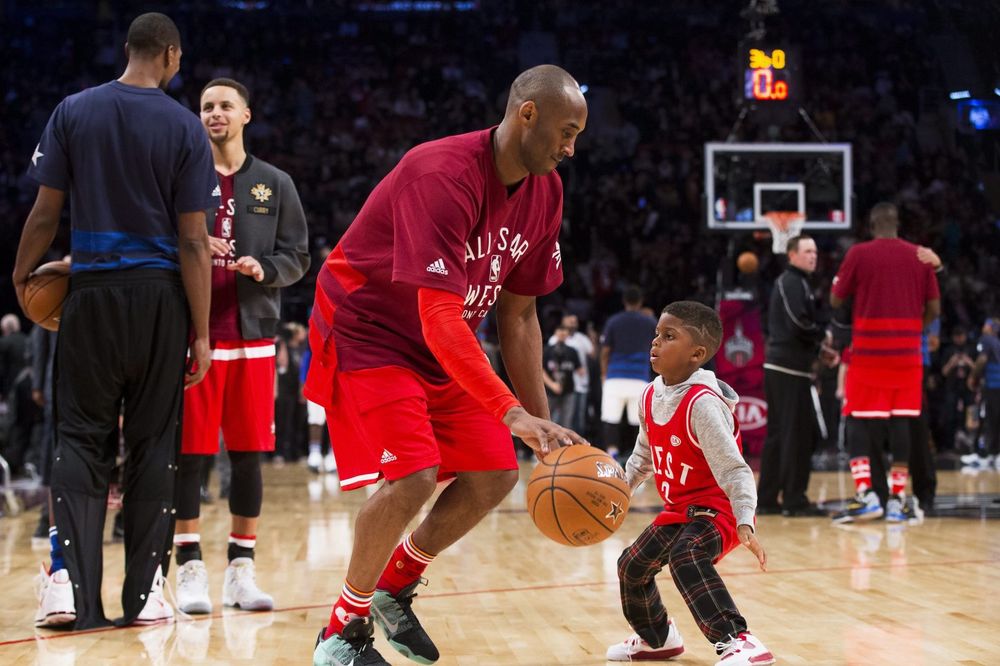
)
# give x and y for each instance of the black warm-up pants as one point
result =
(121, 349)
(786, 460)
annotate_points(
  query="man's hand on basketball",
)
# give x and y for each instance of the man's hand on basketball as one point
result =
(749, 539)
(199, 360)
(248, 266)
(541, 435)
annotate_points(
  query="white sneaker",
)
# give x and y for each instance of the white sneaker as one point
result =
(156, 609)
(192, 588)
(976, 460)
(744, 650)
(329, 462)
(56, 607)
(315, 461)
(634, 648)
(239, 589)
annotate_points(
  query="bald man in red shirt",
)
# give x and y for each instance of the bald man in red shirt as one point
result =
(459, 225)
(895, 295)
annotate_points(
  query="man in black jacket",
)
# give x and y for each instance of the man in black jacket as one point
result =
(792, 346)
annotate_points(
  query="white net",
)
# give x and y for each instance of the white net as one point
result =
(785, 225)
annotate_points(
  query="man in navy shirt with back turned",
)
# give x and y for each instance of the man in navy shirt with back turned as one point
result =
(138, 169)
(625, 371)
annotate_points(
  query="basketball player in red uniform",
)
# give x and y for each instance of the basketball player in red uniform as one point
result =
(895, 294)
(259, 244)
(689, 441)
(460, 224)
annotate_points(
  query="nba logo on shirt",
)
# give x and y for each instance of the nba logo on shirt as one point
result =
(227, 227)
(494, 268)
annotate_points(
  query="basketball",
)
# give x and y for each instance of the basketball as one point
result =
(747, 262)
(577, 496)
(45, 292)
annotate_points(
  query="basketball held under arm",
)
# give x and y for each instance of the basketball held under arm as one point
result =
(36, 237)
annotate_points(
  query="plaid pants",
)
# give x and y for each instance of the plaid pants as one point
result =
(689, 550)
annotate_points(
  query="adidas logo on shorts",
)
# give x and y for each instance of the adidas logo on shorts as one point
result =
(386, 457)
(437, 267)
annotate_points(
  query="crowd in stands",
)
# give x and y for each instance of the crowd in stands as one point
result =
(339, 94)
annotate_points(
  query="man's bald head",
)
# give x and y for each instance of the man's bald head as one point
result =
(545, 112)
(543, 85)
(884, 220)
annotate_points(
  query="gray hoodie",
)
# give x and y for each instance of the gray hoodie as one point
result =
(712, 425)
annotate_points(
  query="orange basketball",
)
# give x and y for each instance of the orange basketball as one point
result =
(747, 262)
(45, 292)
(577, 496)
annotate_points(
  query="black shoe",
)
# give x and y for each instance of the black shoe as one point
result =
(805, 511)
(354, 646)
(768, 509)
(402, 628)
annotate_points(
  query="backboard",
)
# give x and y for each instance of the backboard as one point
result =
(744, 181)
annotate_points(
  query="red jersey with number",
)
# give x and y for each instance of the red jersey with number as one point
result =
(224, 317)
(683, 478)
(890, 287)
(443, 219)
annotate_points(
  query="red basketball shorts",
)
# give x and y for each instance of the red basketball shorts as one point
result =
(879, 393)
(237, 395)
(389, 422)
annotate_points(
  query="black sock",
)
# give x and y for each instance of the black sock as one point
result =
(236, 550)
(187, 552)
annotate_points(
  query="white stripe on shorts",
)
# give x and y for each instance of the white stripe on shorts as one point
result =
(263, 351)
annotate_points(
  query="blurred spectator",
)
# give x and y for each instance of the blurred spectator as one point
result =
(560, 368)
(954, 397)
(581, 379)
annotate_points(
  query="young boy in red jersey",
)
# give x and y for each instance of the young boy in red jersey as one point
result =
(689, 440)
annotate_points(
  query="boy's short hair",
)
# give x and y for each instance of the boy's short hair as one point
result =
(701, 321)
(240, 89)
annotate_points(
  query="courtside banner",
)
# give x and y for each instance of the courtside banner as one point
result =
(740, 363)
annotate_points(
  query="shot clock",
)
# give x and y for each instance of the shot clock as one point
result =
(769, 73)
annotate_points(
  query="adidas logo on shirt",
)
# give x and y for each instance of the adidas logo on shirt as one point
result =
(437, 267)
(217, 192)
(386, 457)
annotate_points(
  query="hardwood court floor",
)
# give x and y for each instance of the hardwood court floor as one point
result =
(872, 594)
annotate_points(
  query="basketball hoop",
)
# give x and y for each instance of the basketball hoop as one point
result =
(784, 225)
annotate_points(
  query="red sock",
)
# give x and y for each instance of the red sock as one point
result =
(352, 604)
(405, 566)
(861, 472)
(897, 480)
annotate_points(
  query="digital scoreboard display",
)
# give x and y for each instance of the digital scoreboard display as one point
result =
(769, 73)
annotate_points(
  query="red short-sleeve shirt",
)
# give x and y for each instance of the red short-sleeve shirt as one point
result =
(890, 287)
(441, 218)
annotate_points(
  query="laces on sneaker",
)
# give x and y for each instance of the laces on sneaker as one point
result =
(733, 644)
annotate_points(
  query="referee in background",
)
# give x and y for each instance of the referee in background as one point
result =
(793, 344)
(138, 169)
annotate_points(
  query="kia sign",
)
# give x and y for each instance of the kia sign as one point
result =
(751, 412)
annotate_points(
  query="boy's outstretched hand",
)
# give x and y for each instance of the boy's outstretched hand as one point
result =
(749, 539)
